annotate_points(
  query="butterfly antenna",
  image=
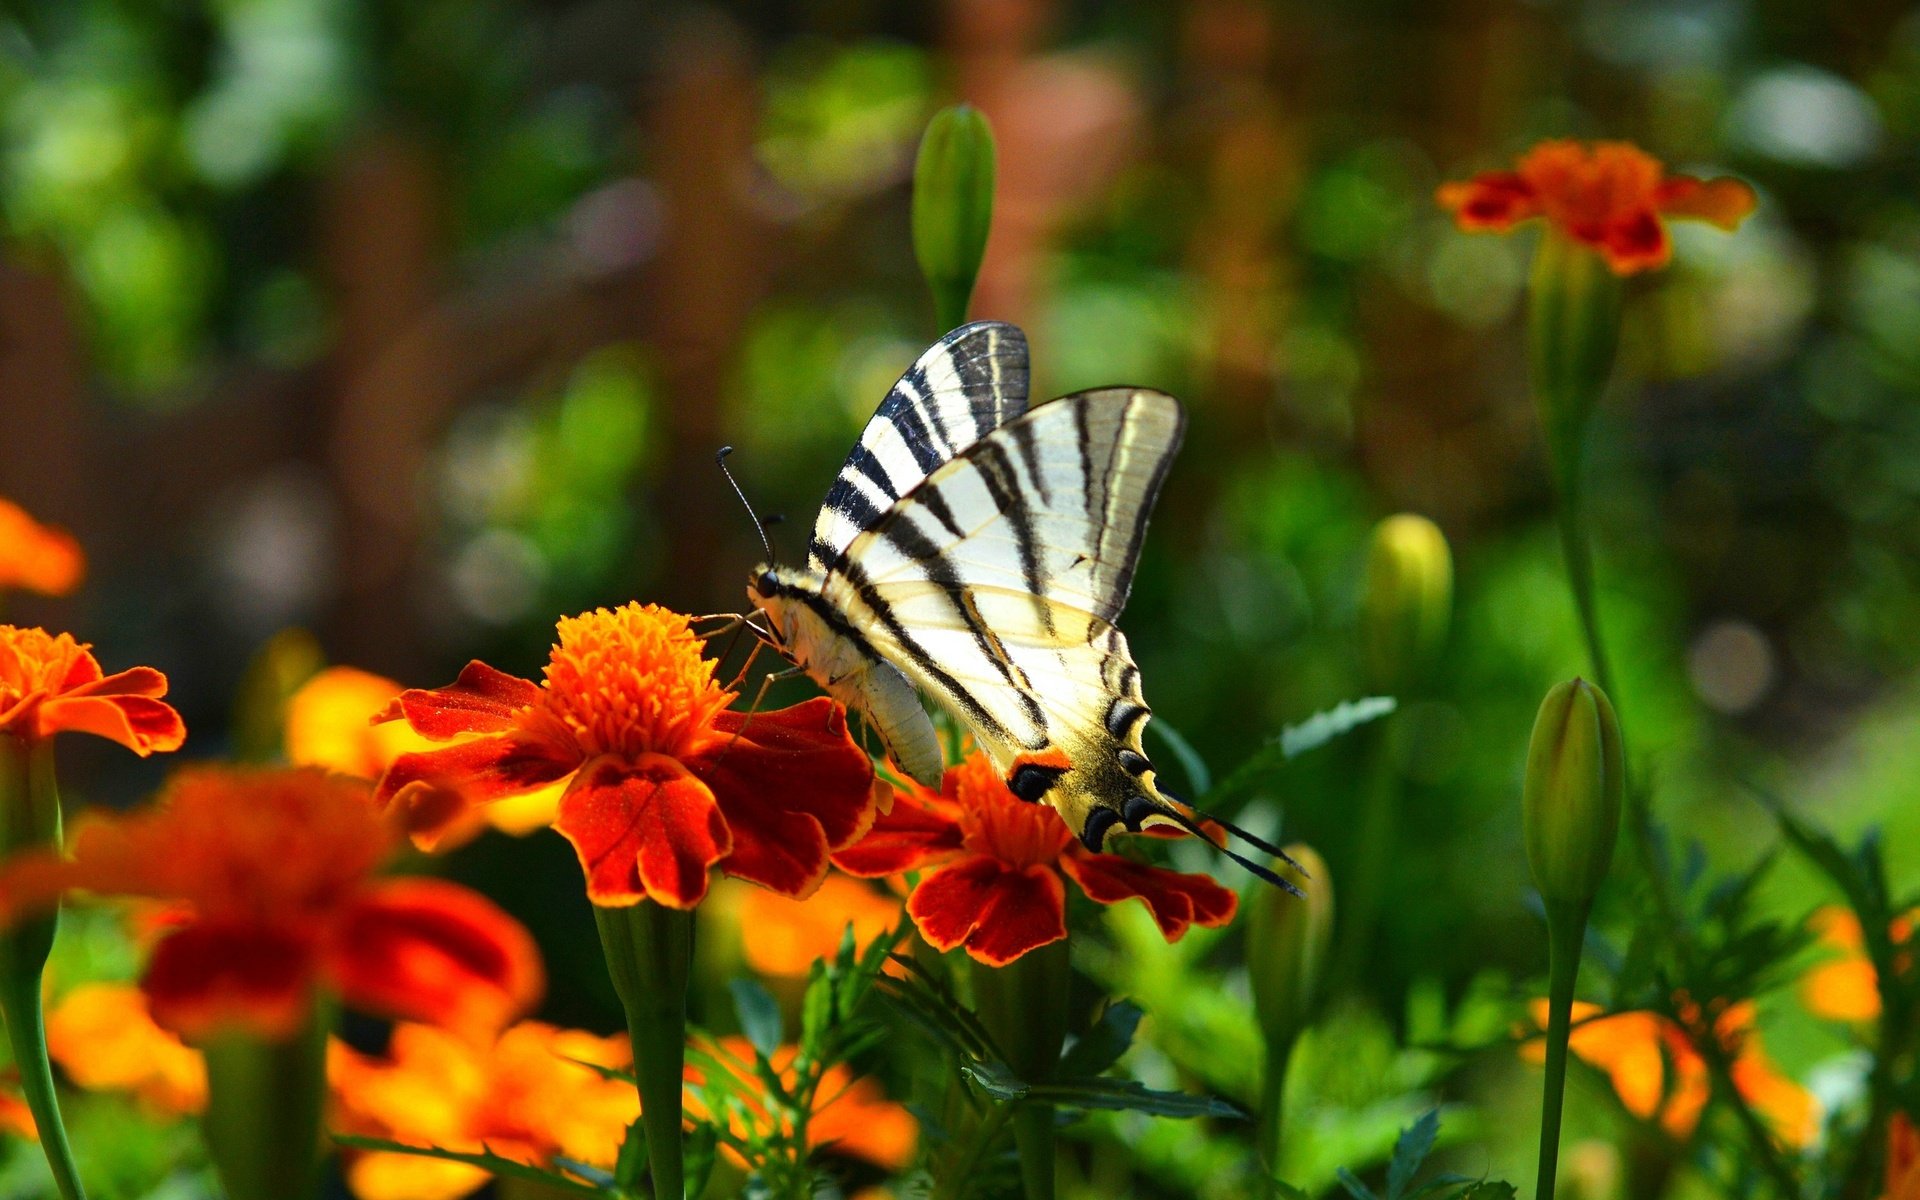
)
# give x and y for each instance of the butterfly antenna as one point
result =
(1259, 870)
(759, 525)
(1257, 843)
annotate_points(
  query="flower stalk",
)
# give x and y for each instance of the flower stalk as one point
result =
(1288, 945)
(1024, 1006)
(30, 819)
(649, 951)
(1566, 930)
(264, 1103)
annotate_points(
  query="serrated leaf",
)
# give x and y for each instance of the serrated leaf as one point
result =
(1129, 1096)
(1295, 740)
(996, 1079)
(1101, 1046)
(489, 1162)
(1351, 1182)
(631, 1167)
(1409, 1152)
(759, 1015)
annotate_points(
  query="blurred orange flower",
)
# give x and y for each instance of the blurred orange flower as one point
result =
(783, 938)
(276, 869)
(999, 866)
(1610, 196)
(1660, 1076)
(51, 684)
(665, 782)
(16, 1120)
(105, 1040)
(330, 723)
(1903, 1159)
(851, 1114)
(524, 1096)
(1846, 987)
(36, 557)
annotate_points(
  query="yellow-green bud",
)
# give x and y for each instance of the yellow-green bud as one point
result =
(1408, 601)
(1574, 788)
(287, 660)
(1288, 940)
(953, 207)
(1573, 326)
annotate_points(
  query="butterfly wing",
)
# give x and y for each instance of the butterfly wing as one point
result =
(994, 586)
(966, 385)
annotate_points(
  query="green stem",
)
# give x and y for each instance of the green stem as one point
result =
(1758, 1137)
(1566, 930)
(30, 820)
(1024, 1006)
(649, 950)
(1273, 1089)
(964, 1169)
(1373, 850)
(264, 1101)
(1577, 546)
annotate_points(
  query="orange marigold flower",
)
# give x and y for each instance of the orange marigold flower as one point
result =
(783, 938)
(1846, 987)
(36, 557)
(1660, 1076)
(330, 724)
(666, 782)
(1000, 865)
(105, 1039)
(851, 1114)
(1903, 1159)
(16, 1119)
(525, 1096)
(51, 684)
(276, 869)
(1611, 196)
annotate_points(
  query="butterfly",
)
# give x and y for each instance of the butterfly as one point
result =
(980, 552)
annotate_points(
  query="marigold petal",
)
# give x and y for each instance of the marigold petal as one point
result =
(997, 912)
(1636, 243)
(1493, 201)
(429, 950)
(1724, 202)
(105, 1039)
(482, 700)
(211, 976)
(916, 833)
(85, 679)
(140, 723)
(385, 1175)
(1848, 990)
(643, 830)
(859, 1121)
(794, 787)
(1175, 899)
(39, 558)
(487, 768)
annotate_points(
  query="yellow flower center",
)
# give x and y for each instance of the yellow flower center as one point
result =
(632, 681)
(33, 660)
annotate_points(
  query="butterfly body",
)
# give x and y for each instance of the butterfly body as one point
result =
(980, 552)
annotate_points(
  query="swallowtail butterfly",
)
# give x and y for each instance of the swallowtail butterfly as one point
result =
(980, 552)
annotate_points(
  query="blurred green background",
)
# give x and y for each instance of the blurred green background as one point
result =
(418, 324)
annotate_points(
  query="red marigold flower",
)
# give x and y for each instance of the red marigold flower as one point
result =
(527, 1096)
(666, 782)
(997, 883)
(851, 1114)
(36, 557)
(51, 684)
(1610, 196)
(276, 868)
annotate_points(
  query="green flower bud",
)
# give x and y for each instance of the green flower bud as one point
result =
(1288, 940)
(287, 660)
(1574, 788)
(953, 207)
(1408, 601)
(1573, 326)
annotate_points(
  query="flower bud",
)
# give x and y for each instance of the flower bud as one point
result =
(953, 207)
(1288, 940)
(1408, 601)
(1574, 787)
(1573, 326)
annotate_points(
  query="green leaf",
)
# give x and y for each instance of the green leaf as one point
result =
(1411, 1150)
(1286, 1191)
(1199, 778)
(1100, 1047)
(1351, 1182)
(996, 1079)
(1131, 1096)
(1295, 740)
(759, 1015)
(702, 1142)
(816, 1009)
(487, 1161)
(631, 1167)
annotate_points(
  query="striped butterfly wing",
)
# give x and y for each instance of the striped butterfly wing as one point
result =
(969, 383)
(994, 586)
